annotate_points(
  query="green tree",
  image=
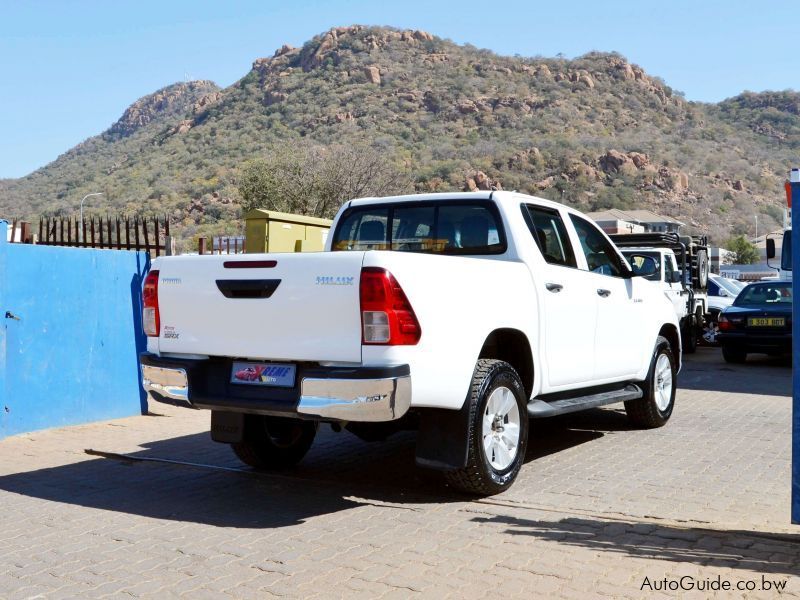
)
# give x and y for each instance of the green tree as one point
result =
(745, 252)
(315, 180)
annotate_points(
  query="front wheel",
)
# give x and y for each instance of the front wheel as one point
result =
(497, 430)
(655, 408)
(274, 442)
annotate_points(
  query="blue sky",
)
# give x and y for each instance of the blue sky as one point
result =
(68, 69)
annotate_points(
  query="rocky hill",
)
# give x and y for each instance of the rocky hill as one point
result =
(595, 132)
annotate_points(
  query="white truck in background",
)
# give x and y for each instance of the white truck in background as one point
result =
(682, 274)
(785, 267)
(461, 315)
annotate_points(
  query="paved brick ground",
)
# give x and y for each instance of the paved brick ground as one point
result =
(598, 508)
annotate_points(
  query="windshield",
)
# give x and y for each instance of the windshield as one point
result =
(443, 227)
(786, 251)
(727, 285)
(766, 294)
(739, 285)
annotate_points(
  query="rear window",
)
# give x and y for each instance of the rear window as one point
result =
(765, 294)
(440, 228)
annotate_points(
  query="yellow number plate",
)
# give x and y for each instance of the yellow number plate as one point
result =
(766, 322)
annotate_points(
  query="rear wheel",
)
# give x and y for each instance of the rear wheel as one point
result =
(497, 430)
(655, 408)
(274, 442)
(733, 355)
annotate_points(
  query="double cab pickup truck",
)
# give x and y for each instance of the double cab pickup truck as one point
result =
(464, 316)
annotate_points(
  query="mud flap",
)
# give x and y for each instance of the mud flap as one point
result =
(443, 438)
(227, 427)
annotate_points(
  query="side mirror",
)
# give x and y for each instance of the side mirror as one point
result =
(676, 277)
(643, 266)
(770, 248)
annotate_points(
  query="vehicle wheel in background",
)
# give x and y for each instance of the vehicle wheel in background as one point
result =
(497, 430)
(700, 270)
(733, 355)
(655, 407)
(711, 326)
(274, 442)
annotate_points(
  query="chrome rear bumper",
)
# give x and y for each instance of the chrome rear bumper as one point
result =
(367, 394)
(362, 400)
(162, 383)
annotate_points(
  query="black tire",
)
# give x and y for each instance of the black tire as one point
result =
(734, 355)
(479, 477)
(645, 411)
(700, 270)
(274, 442)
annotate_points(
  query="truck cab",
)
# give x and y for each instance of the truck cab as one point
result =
(682, 275)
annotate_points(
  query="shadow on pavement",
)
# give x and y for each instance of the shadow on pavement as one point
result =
(339, 467)
(761, 374)
(727, 549)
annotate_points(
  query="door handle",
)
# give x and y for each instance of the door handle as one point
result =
(554, 287)
(603, 293)
(10, 315)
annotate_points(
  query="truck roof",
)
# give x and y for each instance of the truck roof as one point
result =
(500, 196)
(646, 249)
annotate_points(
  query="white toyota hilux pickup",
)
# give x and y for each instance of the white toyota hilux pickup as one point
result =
(461, 315)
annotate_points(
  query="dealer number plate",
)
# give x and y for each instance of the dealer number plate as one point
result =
(265, 374)
(766, 322)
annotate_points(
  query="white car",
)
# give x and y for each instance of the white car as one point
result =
(462, 315)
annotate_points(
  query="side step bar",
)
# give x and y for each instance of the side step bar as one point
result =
(538, 409)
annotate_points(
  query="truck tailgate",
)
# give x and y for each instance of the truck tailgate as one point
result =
(301, 307)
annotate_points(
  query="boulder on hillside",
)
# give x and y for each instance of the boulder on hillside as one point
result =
(285, 49)
(615, 161)
(274, 97)
(524, 157)
(373, 74)
(205, 102)
(639, 159)
(480, 181)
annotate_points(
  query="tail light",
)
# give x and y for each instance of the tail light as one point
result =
(151, 320)
(724, 324)
(386, 314)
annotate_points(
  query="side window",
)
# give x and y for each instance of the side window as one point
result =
(600, 254)
(550, 235)
(672, 268)
(364, 231)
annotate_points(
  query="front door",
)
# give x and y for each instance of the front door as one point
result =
(618, 341)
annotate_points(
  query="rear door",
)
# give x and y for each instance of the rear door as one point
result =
(300, 307)
(570, 305)
(618, 342)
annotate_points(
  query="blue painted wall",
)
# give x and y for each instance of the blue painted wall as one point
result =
(72, 357)
(795, 191)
